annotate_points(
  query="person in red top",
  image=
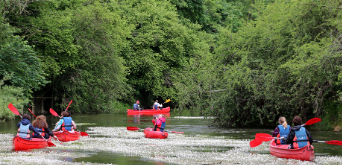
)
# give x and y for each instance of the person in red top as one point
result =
(157, 124)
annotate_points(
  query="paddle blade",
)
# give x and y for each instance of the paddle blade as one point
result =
(132, 128)
(50, 144)
(313, 121)
(53, 112)
(84, 134)
(334, 142)
(32, 112)
(13, 109)
(168, 100)
(68, 105)
(263, 137)
(177, 132)
(255, 143)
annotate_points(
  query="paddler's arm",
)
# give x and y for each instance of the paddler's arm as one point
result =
(290, 136)
(309, 136)
(60, 122)
(73, 124)
(34, 130)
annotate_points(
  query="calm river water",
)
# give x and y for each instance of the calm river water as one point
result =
(188, 122)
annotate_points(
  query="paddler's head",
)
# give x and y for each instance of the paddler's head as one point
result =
(297, 120)
(65, 114)
(26, 116)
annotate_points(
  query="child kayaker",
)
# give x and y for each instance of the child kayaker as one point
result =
(299, 136)
(157, 124)
(66, 123)
(162, 120)
(25, 127)
(42, 127)
(282, 130)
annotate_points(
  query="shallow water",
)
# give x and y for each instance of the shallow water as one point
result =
(200, 139)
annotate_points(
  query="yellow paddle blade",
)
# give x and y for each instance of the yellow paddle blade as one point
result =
(168, 100)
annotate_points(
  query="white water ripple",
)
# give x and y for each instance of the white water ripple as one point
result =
(177, 148)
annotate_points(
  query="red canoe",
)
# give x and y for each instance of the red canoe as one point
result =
(148, 111)
(149, 133)
(20, 144)
(66, 136)
(281, 151)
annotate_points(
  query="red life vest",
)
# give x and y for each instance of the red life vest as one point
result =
(40, 130)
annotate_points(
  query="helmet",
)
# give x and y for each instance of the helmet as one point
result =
(138, 101)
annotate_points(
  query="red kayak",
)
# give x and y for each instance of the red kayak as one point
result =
(66, 136)
(148, 111)
(149, 133)
(20, 144)
(281, 151)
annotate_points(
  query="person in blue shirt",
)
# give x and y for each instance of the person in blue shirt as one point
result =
(136, 106)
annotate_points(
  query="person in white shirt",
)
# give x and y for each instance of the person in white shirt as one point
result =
(157, 106)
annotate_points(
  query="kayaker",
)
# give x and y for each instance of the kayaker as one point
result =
(25, 127)
(162, 119)
(298, 133)
(136, 106)
(42, 127)
(156, 105)
(282, 130)
(157, 124)
(66, 123)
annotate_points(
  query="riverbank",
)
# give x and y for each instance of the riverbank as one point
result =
(176, 149)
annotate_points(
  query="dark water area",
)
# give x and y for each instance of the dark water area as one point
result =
(180, 122)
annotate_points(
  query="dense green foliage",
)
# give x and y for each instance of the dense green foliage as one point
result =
(248, 61)
(10, 94)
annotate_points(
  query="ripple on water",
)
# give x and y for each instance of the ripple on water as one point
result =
(117, 144)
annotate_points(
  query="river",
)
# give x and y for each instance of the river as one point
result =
(111, 143)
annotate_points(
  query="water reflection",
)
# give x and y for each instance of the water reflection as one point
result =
(136, 119)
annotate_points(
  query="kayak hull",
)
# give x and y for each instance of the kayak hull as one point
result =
(148, 111)
(20, 144)
(306, 153)
(67, 136)
(149, 133)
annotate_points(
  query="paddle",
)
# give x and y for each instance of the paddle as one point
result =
(32, 112)
(333, 142)
(261, 137)
(136, 128)
(312, 121)
(82, 133)
(68, 105)
(54, 113)
(168, 100)
(14, 110)
(255, 143)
